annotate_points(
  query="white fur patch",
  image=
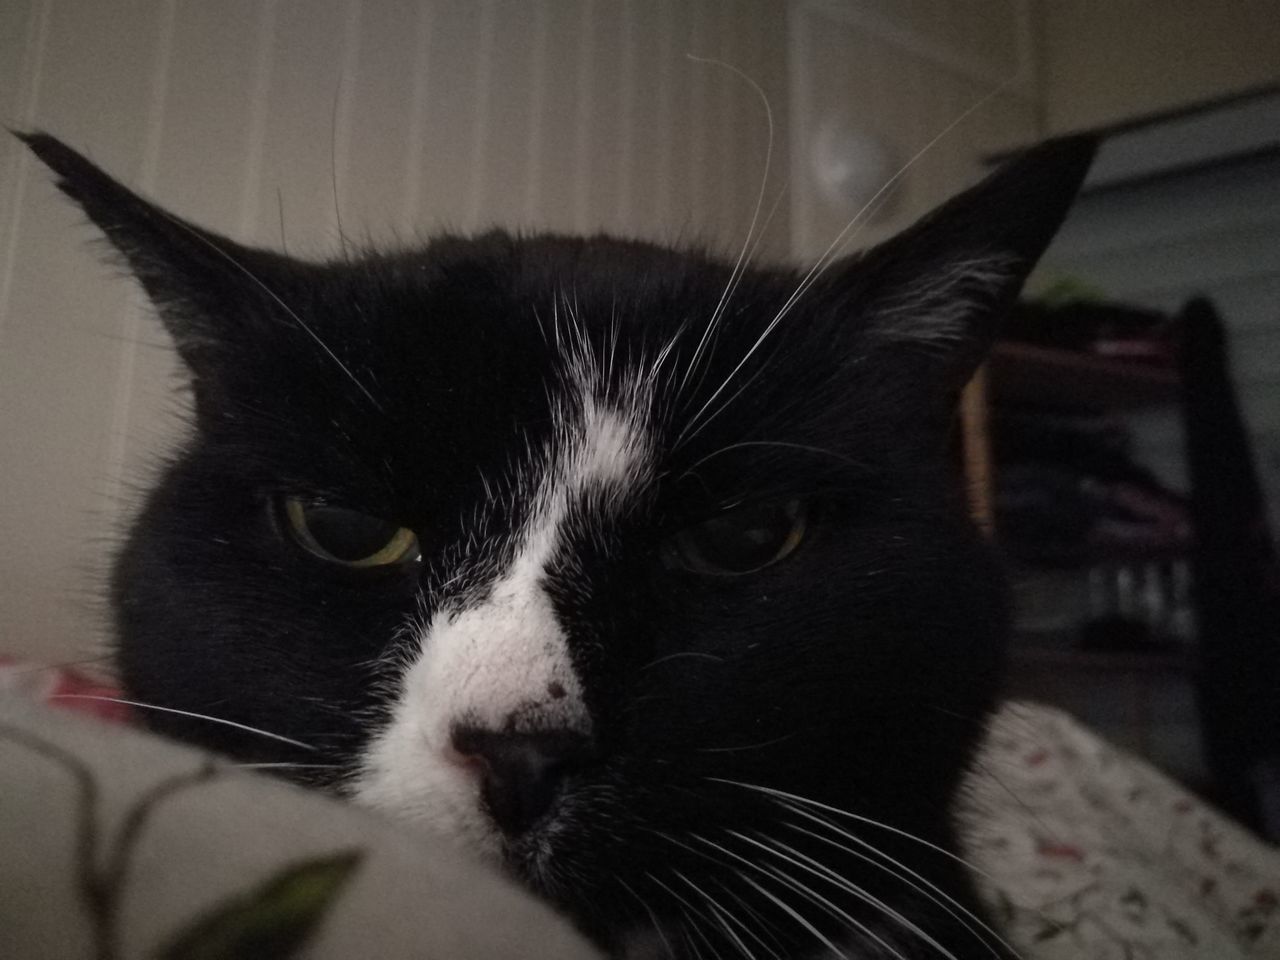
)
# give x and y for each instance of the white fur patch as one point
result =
(505, 663)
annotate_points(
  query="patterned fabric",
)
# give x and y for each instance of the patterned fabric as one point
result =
(63, 687)
(1090, 852)
(1085, 851)
(115, 843)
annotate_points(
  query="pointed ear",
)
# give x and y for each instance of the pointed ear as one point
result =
(205, 287)
(938, 290)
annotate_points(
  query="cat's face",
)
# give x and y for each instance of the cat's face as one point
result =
(615, 566)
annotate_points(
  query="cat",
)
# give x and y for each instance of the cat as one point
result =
(644, 575)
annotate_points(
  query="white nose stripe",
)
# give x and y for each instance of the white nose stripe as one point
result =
(501, 665)
(505, 663)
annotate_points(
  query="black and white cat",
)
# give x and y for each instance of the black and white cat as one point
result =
(646, 577)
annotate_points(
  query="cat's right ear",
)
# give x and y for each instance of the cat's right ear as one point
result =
(206, 288)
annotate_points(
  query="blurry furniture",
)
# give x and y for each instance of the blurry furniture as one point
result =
(1237, 582)
(1092, 635)
(1204, 699)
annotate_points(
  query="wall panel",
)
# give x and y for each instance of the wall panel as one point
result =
(271, 120)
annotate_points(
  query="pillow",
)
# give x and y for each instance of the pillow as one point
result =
(114, 837)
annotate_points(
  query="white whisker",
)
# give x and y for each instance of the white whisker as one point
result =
(185, 713)
(666, 351)
(770, 791)
(770, 443)
(693, 911)
(809, 865)
(798, 918)
(722, 863)
(748, 746)
(657, 926)
(805, 891)
(765, 925)
(695, 654)
(720, 913)
(302, 324)
(833, 251)
(957, 910)
(739, 267)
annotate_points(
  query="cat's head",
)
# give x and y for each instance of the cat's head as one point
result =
(611, 562)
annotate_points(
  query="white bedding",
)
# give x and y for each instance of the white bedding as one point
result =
(1086, 853)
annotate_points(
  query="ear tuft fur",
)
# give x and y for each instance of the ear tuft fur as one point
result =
(943, 285)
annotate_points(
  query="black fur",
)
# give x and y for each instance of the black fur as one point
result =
(856, 673)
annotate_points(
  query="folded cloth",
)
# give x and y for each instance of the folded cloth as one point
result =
(1081, 849)
(1087, 851)
(117, 843)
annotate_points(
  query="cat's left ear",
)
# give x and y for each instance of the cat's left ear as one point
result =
(935, 293)
(207, 289)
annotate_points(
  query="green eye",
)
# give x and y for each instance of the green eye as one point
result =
(348, 537)
(740, 541)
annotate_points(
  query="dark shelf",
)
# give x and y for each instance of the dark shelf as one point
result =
(1024, 371)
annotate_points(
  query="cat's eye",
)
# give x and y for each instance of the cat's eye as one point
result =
(740, 541)
(347, 537)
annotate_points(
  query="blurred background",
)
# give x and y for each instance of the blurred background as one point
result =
(1123, 445)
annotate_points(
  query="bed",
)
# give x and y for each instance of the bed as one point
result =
(119, 845)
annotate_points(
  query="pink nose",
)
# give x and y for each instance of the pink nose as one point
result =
(521, 774)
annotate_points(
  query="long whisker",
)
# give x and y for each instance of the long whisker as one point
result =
(770, 791)
(302, 324)
(836, 246)
(925, 887)
(693, 911)
(284, 246)
(809, 893)
(770, 443)
(687, 929)
(186, 713)
(765, 925)
(797, 917)
(809, 865)
(652, 916)
(721, 914)
(333, 166)
(829, 908)
(772, 874)
(694, 654)
(666, 351)
(740, 266)
(748, 746)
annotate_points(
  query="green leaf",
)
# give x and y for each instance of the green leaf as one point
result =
(273, 921)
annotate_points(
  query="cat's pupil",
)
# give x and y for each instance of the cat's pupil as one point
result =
(742, 540)
(348, 535)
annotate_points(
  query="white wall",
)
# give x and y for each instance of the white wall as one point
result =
(568, 114)
(1109, 61)
(904, 74)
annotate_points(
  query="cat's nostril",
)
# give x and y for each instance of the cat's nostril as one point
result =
(521, 773)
